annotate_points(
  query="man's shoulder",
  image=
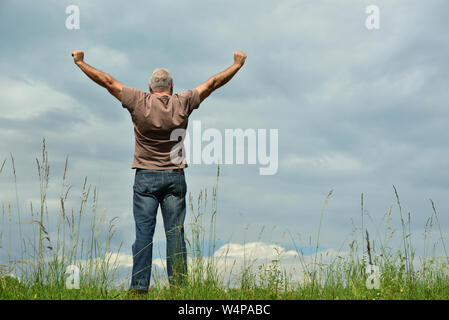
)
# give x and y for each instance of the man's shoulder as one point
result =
(182, 93)
(132, 90)
(132, 96)
(189, 99)
(187, 95)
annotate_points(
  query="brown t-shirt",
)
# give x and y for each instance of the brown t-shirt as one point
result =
(154, 118)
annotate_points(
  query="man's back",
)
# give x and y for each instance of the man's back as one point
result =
(155, 117)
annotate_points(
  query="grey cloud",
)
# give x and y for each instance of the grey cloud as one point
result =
(313, 71)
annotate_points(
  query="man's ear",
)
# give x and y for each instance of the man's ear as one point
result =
(171, 89)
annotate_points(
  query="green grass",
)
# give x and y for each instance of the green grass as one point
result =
(83, 237)
(392, 288)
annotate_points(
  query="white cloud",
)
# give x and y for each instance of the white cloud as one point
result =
(230, 260)
(253, 250)
(260, 257)
(123, 260)
(27, 99)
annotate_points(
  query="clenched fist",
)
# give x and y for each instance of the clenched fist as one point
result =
(239, 58)
(78, 56)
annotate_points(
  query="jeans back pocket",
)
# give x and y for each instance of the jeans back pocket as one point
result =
(144, 181)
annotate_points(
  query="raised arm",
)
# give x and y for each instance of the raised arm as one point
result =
(101, 78)
(221, 78)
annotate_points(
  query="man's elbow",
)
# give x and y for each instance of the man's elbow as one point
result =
(115, 88)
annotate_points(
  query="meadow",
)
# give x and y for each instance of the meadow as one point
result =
(35, 267)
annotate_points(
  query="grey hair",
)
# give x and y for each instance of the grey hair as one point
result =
(161, 79)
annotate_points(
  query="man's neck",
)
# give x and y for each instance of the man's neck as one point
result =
(162, 93)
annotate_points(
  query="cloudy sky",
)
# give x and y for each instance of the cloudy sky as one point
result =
(357, 110)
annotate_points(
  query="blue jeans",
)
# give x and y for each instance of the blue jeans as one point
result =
(151, 188)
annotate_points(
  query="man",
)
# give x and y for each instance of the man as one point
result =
(158, 180)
